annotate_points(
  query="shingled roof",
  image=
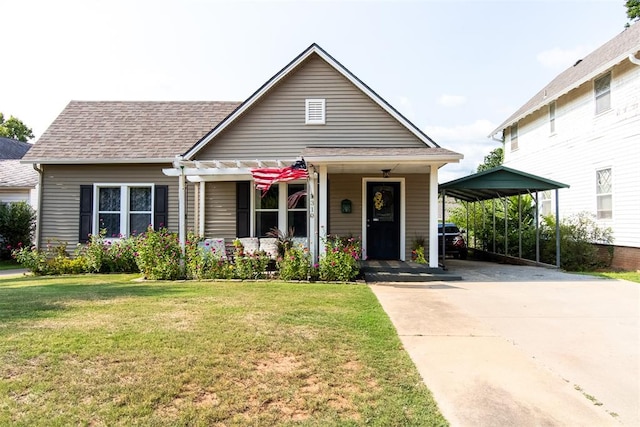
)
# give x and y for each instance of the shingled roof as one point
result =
(13, 174)
(12, 148)
(597, 62)
(126, 131)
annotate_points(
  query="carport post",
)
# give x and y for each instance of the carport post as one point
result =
(506, 230)
(519, 227)
(444, 197)
(557, 229)
(537, 230)
(494, 224)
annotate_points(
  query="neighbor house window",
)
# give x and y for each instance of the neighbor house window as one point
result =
(123, 210)
(602, 90)
(552, 117)
(604, 187)
(514, 136)
(545, 203)
(315, 111)
(283, 207)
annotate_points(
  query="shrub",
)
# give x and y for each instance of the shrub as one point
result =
(158, 255)
(32, 259)
(341, 260)
(295, 264)
(205, 263)
(106, 255)
(17, 221)
(51, 261)
(418, 253)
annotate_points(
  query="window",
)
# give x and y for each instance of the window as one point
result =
(123, 210)
(552, 117)
(602, 90)
(514, 136)
(315, 111)
(604, 188)
(283, 207)
(545, 208)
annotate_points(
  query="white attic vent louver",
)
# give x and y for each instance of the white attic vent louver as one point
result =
(315, 111)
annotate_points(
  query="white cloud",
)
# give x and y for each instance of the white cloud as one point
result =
(470, 140)
(559, 59)
(452, 100)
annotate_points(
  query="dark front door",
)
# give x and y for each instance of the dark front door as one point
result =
(383, 220)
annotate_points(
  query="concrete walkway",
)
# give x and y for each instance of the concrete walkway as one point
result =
(523, 346)
(13, 272)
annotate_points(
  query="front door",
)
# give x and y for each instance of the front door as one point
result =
(383, 220)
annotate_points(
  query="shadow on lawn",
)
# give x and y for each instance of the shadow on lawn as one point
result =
(30, 298)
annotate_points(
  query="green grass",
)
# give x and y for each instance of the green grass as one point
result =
(632, 276)
(108, 350)
(9, 265)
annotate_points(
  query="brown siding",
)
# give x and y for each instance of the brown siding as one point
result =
(275, 127)
(345, 186)
(417, 211)
(61, 195)
(220, 210)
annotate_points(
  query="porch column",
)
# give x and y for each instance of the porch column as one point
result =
(201, 208)
(322, 209)
(313, 207)
(433, 216)
(182, 230)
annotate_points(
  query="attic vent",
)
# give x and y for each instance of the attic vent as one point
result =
(315, 111)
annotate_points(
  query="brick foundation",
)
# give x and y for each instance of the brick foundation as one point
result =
(624, 257)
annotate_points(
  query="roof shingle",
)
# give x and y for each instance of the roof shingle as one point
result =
(13, 174)
(12, 148)
(126, 131)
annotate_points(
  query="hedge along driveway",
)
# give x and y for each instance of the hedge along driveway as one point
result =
(106, 350)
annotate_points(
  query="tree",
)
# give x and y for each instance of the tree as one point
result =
(14, 128)
(633, 9)
(17, 222)
(493, 159)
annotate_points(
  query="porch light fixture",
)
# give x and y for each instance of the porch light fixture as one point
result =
(385, 173)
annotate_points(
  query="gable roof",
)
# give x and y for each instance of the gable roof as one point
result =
(12, 148)
(597, 62)
(13, 174)
(314, 49)
(126, 131)
(500, 181)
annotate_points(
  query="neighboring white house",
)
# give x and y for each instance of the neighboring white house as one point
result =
(18, 182)
(583, 129)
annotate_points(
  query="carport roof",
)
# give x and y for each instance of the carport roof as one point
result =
(498, 182)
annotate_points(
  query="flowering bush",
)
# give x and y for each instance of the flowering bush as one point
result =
(249, 266)
(54, 259)
(202, 261)
(31, 258)
(418, 255)
(295, 264)
(158, 254)
(341, 260)
(106, 255)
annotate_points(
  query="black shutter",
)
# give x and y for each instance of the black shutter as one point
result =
(86, 213)
(161, 208)
(243, 208)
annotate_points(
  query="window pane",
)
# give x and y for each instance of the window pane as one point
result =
(603, 103)
(604, 181)
(109, 199)
(140, 199)
(603, 84)
(298, 220)
(111, 223)
(265, 221)
(138, 223)
(269, 200)
(297, 196)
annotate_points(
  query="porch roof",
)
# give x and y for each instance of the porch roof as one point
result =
(498, 182)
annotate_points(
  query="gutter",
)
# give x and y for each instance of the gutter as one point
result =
(633, 59)
(37, 168)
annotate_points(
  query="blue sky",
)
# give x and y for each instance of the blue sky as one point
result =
(457, 69)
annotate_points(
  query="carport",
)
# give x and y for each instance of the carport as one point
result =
(500, 183)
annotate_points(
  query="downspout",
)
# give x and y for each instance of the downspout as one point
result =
(38, 216)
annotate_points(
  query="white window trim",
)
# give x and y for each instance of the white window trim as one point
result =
(124, 205)
(553, 108)
(283, 210)
(307, 103)
(610, 194)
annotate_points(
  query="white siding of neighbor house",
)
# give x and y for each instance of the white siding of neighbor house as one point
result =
(584, 143)
(274, 127)
(12, 195)
(60, 209)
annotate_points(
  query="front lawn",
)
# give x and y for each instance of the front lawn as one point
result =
(632, 276)
(9, 265)
(108, 350)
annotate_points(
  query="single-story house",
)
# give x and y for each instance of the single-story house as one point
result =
(370, 172)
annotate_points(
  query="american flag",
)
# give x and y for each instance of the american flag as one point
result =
(265, 177)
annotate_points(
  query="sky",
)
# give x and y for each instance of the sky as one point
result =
(456, 69)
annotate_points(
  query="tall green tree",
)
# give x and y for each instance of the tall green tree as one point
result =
(633, 9)
(15, 128)
(491, 160)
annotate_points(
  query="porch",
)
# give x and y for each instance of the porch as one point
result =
(402, 271)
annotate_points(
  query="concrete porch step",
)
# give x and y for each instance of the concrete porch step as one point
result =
(400, 271)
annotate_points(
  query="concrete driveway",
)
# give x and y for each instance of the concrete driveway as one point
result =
(523, 346)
